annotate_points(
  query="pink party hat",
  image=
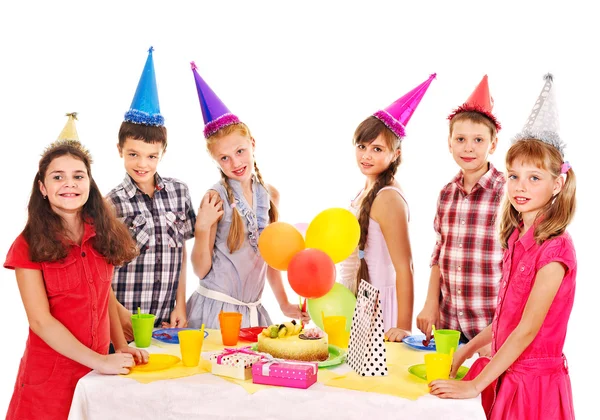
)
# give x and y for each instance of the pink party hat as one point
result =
(397, 115)
(480, 101)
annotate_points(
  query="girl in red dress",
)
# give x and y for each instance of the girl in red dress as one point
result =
(63, 261)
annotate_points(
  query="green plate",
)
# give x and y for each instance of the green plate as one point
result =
(419, 371)
(337, 356)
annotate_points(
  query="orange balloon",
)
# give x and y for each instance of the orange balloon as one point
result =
(278, 243)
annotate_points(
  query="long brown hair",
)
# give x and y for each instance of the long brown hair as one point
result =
(235, 239)
(45, 232)
(558, 212)
(367, 132)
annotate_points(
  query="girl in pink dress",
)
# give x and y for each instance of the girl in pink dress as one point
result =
(383, 257)
(527, 376)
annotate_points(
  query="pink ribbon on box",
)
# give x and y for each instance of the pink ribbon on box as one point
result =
(230, 351)
(269, 360)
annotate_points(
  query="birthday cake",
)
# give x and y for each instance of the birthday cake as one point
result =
(289, 341)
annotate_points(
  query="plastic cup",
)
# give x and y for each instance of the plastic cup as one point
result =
(335, 327)
(445, 340)
(437, 366)
(230, 323)
(190, 345)
(142, 325)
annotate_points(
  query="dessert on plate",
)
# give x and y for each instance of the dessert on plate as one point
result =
(290, 341)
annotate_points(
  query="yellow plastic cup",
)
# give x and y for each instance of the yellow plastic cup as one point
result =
(437, 366)
(142, 325)
(230, 323)
(190, 345)
(335, 327)
(446, 340)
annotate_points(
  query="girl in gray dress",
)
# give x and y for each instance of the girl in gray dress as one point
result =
(231, 217)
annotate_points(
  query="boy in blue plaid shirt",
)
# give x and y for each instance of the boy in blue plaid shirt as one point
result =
(158, 212)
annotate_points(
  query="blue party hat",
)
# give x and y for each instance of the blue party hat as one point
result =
(145, 108)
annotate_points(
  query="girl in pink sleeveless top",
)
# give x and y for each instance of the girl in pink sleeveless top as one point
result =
(383, 257)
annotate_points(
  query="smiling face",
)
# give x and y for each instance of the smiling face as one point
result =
(234, 153)
(141, 160)
(375, 157)
(470, 144)
(530, 188)
(66, 184)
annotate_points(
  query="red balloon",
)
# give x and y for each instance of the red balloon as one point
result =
(311, 273)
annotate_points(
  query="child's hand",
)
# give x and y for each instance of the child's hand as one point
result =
(293, 311)
(178, 318)
(210, 211)
(139, 356)
(115, 364)
(396, 334)
(453, 389)
(427, 317)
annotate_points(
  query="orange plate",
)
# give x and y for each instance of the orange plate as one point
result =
(250, 334)
(156, 362)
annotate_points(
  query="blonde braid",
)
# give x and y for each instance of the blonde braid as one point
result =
(273, 213)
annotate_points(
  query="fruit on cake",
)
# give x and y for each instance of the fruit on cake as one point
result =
(289, 341)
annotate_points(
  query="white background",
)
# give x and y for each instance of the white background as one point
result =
(302, 77)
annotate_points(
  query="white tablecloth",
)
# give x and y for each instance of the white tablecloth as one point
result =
(103, 397)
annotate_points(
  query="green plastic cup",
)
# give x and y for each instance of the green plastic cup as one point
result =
(142, 325)
(446, 340)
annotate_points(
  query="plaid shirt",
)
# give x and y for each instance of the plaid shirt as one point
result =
(468, 252)
(160, 225)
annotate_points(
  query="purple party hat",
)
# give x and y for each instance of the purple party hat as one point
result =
(216, 114)
(397, 115)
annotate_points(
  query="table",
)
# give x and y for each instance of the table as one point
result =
(207, 396)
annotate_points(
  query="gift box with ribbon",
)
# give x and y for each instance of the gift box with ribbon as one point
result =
(281, 372)
(234, 362)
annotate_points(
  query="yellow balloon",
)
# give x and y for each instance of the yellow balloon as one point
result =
(334, 231)
(278, 243)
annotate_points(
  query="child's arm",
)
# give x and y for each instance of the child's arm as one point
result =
(125, 319)
(205, 232)
(116, 332)
(289, 309)
(468, 350)
(389, 210)
(547, 283)
(55, 334)
(430, 313)
(274, 277)
(179, 316)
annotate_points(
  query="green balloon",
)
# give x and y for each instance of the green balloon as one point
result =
(338, 301)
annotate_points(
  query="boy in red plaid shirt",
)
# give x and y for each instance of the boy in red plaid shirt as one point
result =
(466, 264)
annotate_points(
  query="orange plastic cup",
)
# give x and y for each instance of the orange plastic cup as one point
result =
(335, 327)
(230, 323)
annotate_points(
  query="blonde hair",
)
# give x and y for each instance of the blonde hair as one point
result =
(556, 215)
(235, 239)
(367, 132)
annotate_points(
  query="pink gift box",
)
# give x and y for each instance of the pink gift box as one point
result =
(290, 373)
